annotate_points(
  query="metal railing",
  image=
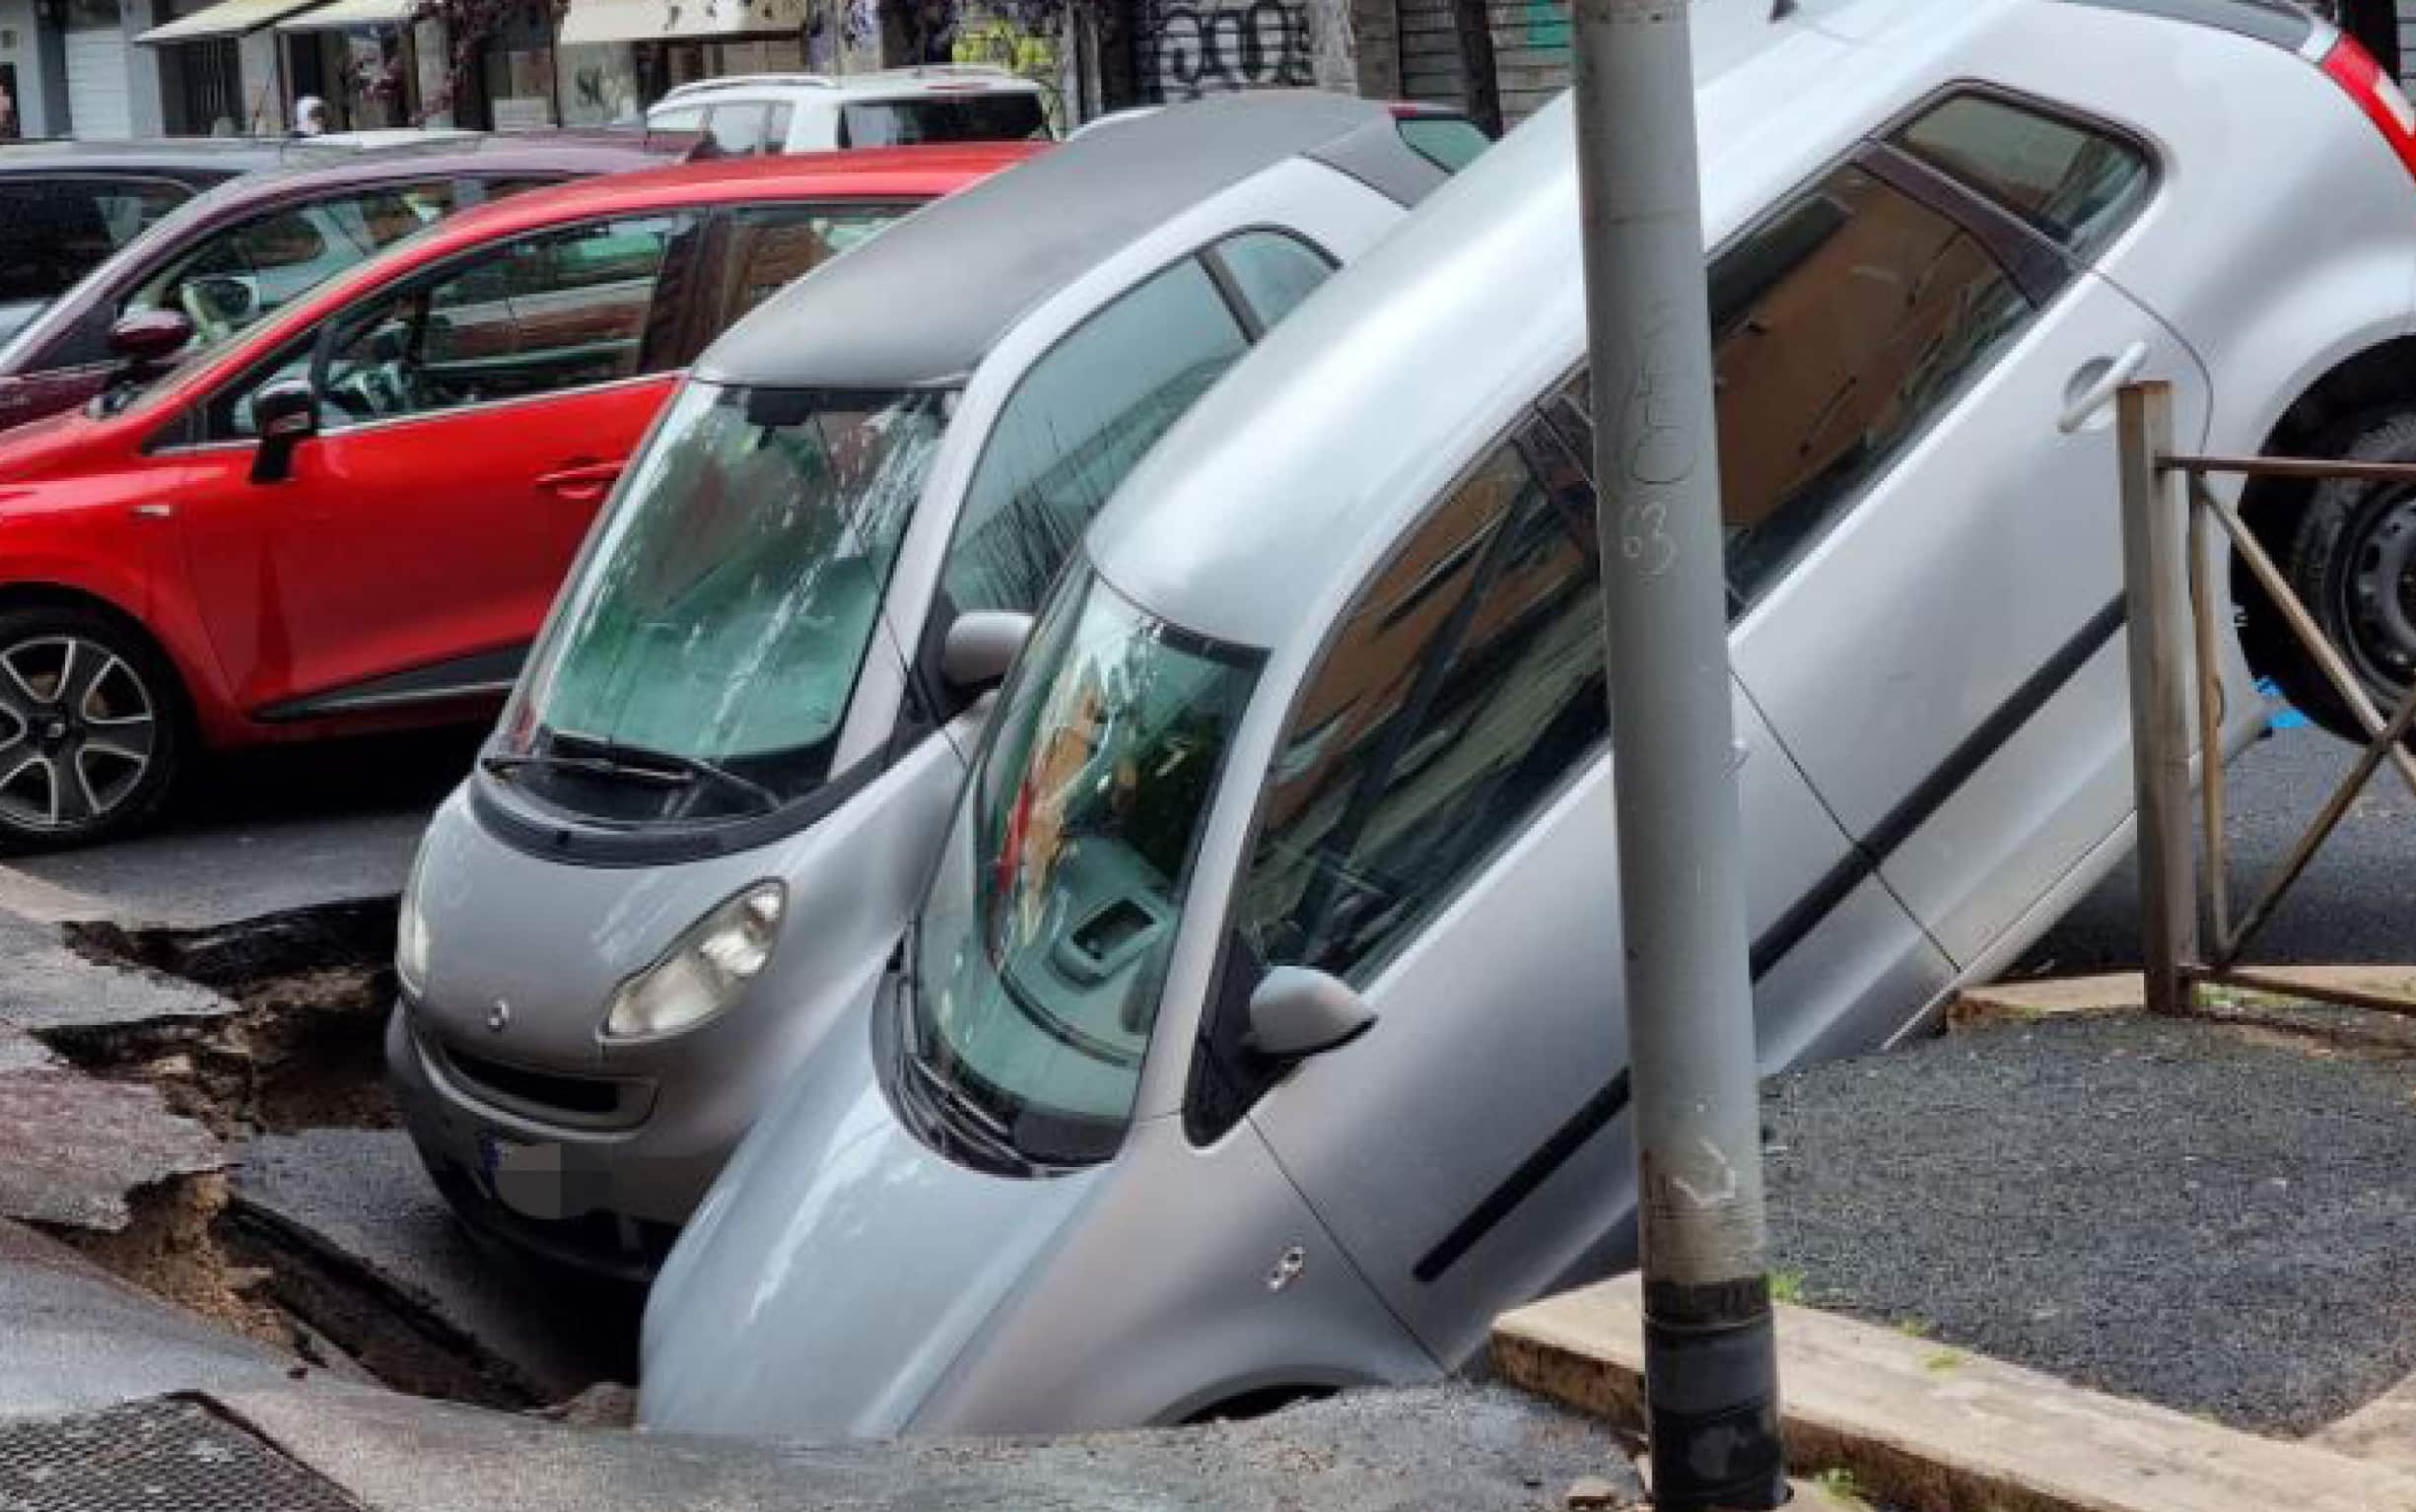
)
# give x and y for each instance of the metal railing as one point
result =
(2188, 937)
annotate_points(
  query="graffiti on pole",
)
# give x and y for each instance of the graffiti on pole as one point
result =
(1196, 47)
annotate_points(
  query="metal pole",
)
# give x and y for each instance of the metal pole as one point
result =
(1711, 1362)
(2151, 503)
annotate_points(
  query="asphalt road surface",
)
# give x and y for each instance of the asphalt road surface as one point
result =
(2357, 903)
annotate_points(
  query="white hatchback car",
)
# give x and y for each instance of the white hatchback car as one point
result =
(749, 114)
(1310, 738)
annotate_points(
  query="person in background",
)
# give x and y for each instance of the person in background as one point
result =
(8, 115)
(309, 116)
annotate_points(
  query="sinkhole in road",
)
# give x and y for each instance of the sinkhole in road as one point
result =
(299, 1050)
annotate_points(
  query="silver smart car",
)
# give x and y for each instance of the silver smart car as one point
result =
(701, 827)
(1258, 1033)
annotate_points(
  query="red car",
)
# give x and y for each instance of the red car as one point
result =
(354, 514)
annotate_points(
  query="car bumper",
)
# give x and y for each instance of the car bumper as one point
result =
(609, 1202)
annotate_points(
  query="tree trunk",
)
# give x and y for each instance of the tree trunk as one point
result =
(1473, 21)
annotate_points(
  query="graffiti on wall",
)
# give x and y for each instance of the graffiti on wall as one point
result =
(1000, 42)
(1196, 47)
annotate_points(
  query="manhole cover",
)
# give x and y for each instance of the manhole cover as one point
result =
(166, 1455)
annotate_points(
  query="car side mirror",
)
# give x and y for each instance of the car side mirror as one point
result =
(980, 647)
(149, 336)
(286, 414)
(1297, 1012)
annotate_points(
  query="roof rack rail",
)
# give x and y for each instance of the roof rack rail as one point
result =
(744, 81)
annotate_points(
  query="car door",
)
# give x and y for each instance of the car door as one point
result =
(1918, 462)
(1437, 830)
(472, 418)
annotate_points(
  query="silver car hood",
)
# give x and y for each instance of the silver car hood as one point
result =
(911, 1256)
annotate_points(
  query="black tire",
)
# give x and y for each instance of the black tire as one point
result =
(92, 728)
(2353, 563)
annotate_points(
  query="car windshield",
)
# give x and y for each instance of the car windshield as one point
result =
(1041, 951)
(720, 619)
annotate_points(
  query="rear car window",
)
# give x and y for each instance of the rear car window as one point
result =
(985, 117)
(1449, 142)
(2079, 186)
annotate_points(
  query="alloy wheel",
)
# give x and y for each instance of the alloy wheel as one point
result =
(79, 731)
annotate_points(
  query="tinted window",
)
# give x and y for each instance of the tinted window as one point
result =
(1842, 327)
(2079, 186)
(254, 268)
(733, 131)
(769, 246)
(1449, 142)
(53, 232)
(999, 117)
(548, 313)
(1271, 271)
(1464, 685)
(1082, 418)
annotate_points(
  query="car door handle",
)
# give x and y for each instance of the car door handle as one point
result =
(582, 480)
(2096, 382)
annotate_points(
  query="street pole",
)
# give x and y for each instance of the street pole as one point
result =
(1710, 1361)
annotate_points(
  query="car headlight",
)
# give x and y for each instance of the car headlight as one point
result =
(412, 937)
(705, 971)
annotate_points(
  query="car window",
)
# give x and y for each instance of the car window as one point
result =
(1461, 690)
(2079, 186)
(733, 131)
(53, 232)
(1449, 142)
(681, 118)
(1272, 271)
(769, 246)
(245, 272)
(556, 311)
(987, 117)
(776, 131)
(1843, 326)
(1078, 422)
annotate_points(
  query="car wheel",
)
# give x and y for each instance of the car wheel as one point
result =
(92, 729)
(2353, 563)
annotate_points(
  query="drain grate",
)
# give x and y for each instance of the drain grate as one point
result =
(165, 1455)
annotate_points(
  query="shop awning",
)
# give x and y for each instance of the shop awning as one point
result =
(657, 20)
(228, 18)
(350, 13)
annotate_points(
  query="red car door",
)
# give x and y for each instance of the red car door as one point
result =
(470, 421)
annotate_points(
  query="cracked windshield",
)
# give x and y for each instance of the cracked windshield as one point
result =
(729, 604)
(1043, 946)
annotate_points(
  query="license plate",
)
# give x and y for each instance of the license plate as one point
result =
(525, 1178)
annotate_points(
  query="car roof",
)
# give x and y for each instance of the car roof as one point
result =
(540, 153)
(1276, 492)
(970, 267)
(937, 79)
(178, 156)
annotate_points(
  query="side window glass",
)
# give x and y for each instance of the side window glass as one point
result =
(769, 247)
(689, 118)
(735, 131)
(2079, 186)
(1449, 142)
(558, 310)
(250, 271)
(1083, 416)
(776, 132)
(1841, 329)
(1461, 691)
(1272, 271)
(52, 233)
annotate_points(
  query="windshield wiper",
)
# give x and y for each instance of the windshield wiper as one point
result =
(593, 756)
